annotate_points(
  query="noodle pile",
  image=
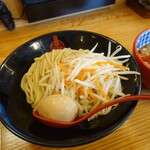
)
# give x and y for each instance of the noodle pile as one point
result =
(91, 79)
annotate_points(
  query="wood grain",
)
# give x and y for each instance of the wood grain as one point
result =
(15, 7)
(118, 22)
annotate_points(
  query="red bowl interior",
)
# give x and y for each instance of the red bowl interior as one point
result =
(145, 70)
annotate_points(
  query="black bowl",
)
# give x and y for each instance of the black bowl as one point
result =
(16, 114)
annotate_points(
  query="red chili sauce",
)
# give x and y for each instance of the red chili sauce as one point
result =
(144, 53)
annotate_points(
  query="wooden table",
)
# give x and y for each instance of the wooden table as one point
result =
(118, 22)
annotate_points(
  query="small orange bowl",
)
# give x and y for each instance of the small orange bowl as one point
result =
(141, 40)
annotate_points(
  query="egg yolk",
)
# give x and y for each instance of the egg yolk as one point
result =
(58, 107)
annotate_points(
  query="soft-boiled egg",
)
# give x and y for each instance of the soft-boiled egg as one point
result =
(58, 107)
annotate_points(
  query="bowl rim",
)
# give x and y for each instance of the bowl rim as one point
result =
(114, 127)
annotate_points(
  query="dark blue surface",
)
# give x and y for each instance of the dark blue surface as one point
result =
(48, 9)
(16, 114)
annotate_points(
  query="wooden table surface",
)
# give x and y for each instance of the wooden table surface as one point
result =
(118, 22)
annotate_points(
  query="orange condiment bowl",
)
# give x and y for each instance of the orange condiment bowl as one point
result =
(141, 40)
